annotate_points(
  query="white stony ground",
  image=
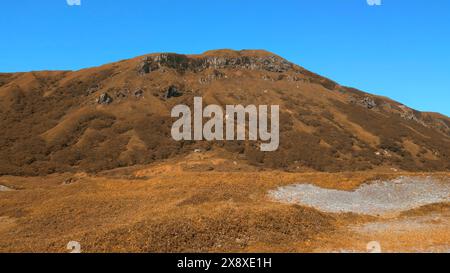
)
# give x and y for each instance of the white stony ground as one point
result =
(392, 231)
(375, 198)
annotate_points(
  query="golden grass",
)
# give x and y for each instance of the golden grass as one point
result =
(164, 208)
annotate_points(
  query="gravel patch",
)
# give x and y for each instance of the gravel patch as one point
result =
(375, 198)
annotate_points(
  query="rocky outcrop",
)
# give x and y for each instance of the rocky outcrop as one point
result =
(409, 115)
(172, 91)
(368, 102)
(122, 94)
(184, 63)
(138, 93)
(92, 89)
(104, 98)
(51, 125)
(215, 75)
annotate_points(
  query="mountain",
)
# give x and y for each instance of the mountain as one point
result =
(118, 115)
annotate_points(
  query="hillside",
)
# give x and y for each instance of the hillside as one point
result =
(118, 115)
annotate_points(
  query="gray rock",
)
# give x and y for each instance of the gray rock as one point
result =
(183, 63)
(105, 98)
(139, 93)
(92, 89)
(409, 115)
(147, 65)
(368, 102)
(215, 75)
(172, 91)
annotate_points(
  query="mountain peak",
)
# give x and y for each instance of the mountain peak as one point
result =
(236, 53)
(118, 115)
(216, 59)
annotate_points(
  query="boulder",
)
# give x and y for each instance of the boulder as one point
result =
(105, 98)
(172, 91)
(368, 102)
(147, 65)
(138, 93)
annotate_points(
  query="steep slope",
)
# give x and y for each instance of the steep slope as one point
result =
(119, 115)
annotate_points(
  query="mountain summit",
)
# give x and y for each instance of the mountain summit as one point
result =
(118, 115)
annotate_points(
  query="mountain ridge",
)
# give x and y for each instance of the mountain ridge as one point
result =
(118, 115)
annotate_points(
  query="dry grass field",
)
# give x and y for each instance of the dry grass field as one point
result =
(191, 205)
(88, 156)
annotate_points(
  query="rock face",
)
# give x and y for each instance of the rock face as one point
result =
(105, 98)
(172, 92)
(368, 102)
(183, 63)
(215, 75)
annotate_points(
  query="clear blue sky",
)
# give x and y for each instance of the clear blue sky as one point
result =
(399, 49)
